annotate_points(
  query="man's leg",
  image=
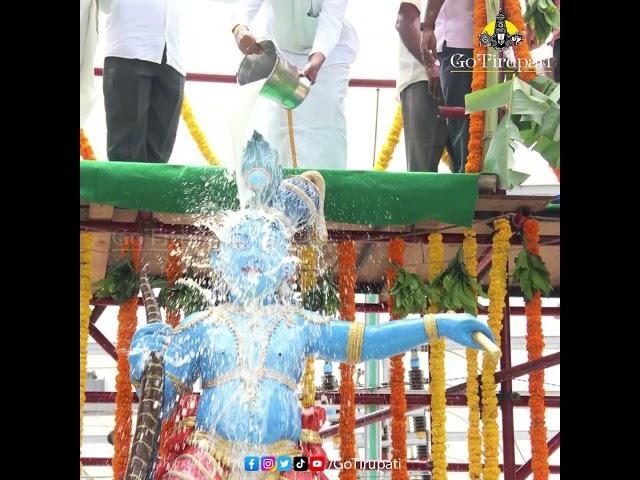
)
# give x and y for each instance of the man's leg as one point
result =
(164, 113)
(455, 85)
(127, 88)
(425, 134)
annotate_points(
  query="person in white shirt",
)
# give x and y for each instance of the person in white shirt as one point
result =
(88, 43)
(447, 35)
(315, 36)
(143, 78)
(425, 133)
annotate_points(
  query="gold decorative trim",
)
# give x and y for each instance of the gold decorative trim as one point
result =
(247, 376)
(200, 317)
(430, 327)
(178, 475)
(145, 414)
(178, 385)
(305, 198)
(223, 450)
(310, 436)
(184, 423)
(243, 374)
(354, 342)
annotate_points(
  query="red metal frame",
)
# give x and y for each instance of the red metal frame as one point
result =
(334, 235)
(525, 470)
(446, 112)
(452, 112)
(222, 78)
(360, 307)
(506, 402)
(96, 312)
(484, 264)
(517, 371)
(103, 341)
(414, 400)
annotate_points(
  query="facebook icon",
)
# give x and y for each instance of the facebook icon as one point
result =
(251, 464)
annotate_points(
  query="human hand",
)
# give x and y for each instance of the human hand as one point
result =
(247, 43)
(428, 48)
(433, 76)
(311, 69)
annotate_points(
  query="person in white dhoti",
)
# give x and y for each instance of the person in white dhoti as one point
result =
(88, 43)
(315, 36)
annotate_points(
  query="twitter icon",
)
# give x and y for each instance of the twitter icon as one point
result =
(285, 463)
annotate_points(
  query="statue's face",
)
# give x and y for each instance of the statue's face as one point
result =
(253, 256)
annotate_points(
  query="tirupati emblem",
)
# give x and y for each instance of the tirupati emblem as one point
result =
(500, 34)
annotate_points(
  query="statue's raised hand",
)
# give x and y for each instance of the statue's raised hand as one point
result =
(460, 327)
(150, 338)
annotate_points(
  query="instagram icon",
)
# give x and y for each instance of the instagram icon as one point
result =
(268, 464)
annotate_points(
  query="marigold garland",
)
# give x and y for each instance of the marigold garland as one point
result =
(393, 137)
(347, 280)
(197, 134)
(474, 439)
(308, 267)
(557, 172)
(435, 249)
(513, 11)
(173, 270)
(478, 82)
(86, 242)
(127, 322)
(396, 256)
(398, 402)
(346, 291)
(535, 346)
(308, 270)
(497, 295)
(86, 152)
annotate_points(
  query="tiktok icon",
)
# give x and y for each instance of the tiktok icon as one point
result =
(300, 464)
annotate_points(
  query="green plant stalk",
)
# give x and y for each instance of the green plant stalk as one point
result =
(492, 77)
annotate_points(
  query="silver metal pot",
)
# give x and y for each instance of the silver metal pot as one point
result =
(284, 84)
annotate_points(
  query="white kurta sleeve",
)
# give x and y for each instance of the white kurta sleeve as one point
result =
(330, 22)
(245, 12)
(107, 6)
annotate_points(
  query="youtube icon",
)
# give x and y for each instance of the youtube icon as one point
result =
(317, 464)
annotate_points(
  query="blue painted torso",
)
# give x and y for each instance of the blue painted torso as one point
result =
(251, 406)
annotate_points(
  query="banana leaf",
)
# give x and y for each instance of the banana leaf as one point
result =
(532, 119)
(500, 156)
(542, 16)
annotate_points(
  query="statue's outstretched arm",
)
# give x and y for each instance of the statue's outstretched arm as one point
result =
(353, 342)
